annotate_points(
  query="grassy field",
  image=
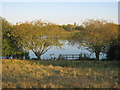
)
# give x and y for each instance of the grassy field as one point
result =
(59, 74)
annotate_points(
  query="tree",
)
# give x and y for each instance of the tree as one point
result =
(69, 27)
(38, 36)
(96, 36)
(113, 52)
(79, 28)
(9, 42)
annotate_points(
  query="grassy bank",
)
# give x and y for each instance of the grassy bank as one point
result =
(59, 74)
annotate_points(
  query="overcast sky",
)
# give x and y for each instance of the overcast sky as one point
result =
(59, 12)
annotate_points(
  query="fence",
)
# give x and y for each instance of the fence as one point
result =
(69, 56)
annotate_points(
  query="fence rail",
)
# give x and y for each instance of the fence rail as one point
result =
(69, 56)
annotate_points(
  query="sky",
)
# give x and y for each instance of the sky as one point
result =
(59, 12)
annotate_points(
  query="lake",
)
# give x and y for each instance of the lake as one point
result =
(66, 49)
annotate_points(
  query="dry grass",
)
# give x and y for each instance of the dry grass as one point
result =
(59, 74)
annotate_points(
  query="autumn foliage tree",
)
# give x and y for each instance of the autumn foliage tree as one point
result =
(97, 36)
(38, 36)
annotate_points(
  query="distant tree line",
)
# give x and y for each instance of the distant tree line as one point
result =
(97, 35)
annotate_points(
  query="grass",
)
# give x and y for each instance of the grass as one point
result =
(59, 74)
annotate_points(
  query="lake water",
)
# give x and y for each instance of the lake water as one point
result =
(66, 49)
